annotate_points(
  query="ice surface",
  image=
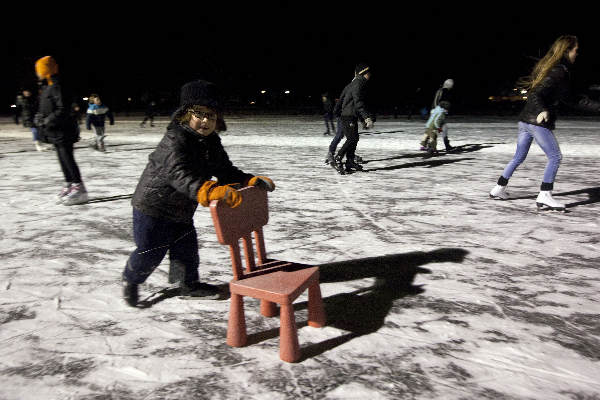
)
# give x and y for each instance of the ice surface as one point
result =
(432, 289)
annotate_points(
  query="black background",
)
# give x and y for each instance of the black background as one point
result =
(150, 51)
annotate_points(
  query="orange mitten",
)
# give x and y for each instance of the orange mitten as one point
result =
(262, 182)
(211, 190)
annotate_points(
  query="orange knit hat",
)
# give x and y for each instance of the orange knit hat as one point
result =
(45, 67)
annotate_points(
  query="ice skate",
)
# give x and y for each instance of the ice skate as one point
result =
(499, 192)
(351, 165)
(39, 147)
(358, 159)
(130, 293)
(338, 165)
(200, 290)
(63, 192)
(77, 195)
(545, 199)
(329, 158)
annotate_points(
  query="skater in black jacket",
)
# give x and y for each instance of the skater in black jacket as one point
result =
(548, 85)
(57, 125)
(351, 108)
(176, 179)
(327, 113)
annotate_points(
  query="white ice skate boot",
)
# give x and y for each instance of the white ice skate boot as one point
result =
(38, 146)
(499, 192)
(545, 199)
(77, 195)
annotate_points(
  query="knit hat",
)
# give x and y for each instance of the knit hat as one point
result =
(45, 67)
(199, 93)
(362, 69)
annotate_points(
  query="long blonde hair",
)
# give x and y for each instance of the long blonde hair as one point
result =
(557, 51)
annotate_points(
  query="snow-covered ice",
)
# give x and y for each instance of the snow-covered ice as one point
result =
(432, 290)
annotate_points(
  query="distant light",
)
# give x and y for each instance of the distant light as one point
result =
(523, 91)
(85, 99)
(13, 106)
(524, 97)
(263, 91)
(252, 102)
(491, 98)
(129, 99)
(287, 92)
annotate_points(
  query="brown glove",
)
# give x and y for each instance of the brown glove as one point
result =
(211, 190)
(262, 182)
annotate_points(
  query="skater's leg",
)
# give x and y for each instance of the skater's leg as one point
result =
(547, 141)
(524, 140)
(67, 162)
(184, 252)
(152, 238)
(350, 129)
(339, 134)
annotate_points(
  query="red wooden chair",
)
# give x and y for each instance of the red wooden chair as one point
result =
(271, 281)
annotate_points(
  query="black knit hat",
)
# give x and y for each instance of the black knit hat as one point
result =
(199, 93)
(361, 69)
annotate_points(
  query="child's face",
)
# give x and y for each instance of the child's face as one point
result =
(97, 101)
(204, 120)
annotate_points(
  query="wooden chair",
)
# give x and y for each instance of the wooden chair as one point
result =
(271, 281)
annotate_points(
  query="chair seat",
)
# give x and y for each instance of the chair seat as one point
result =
(281, 287)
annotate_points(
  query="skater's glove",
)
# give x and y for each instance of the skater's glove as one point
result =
(262, 182)
(368, 123)
(211, 190)
(542, 117)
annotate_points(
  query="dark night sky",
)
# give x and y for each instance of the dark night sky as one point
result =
(308, 49)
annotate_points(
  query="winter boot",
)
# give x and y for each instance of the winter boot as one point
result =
(358, 159)
(338, 165)
(130, 293)
(447, 144)
(545, 199)
(77, 195)
(499, 192)
(200, 289)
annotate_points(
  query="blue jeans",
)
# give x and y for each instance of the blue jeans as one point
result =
(34, 132)
(153, 238)
(337, 138)
(546, 140)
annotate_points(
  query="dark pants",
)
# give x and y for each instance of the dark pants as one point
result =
(350, 131)
(153, 238)
(66, 158)
(328, 117)
(337, 138)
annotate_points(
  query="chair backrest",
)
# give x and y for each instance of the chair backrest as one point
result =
(233, 224)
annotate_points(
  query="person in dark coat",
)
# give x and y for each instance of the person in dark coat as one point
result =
(150, 113)
(328, 113)
(351, 108)
(444, 94)
(549, 85)
(176, 179)
(27, 102)
(57, 125)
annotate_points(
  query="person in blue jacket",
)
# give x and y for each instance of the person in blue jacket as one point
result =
(95, 116)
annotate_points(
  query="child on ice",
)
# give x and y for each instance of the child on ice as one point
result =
(96, 115)
(177, 178)
(433, 126)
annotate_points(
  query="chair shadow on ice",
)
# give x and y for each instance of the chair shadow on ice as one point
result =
(363, 311)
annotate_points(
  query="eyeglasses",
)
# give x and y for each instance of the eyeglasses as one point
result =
(202, 115)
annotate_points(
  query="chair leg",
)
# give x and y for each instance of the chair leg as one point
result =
(316, 310)
(289, 349)
(268, 308)
(236, 327)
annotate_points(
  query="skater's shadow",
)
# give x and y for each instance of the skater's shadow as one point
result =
(378, 133)
(168, 293)
(429, 163)
(363, 311)
(593, 196)
(110, 198)
(465, 148)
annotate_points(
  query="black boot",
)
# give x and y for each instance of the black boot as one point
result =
(130, 293)
(447, 144)
(350, 165)
(329, 158)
